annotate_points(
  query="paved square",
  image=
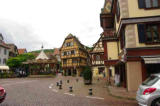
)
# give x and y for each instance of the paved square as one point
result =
(44, 92)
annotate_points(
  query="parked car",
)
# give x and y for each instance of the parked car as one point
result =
(2, 94)
(148, 93)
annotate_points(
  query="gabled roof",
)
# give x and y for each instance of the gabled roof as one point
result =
(76, 39)
(22, 51)
(3, 44)
(99, 40)
(56, 51)
(42, 56)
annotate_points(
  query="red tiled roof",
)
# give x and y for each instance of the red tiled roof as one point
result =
(56, 51)
(22, 51)
(3, 44)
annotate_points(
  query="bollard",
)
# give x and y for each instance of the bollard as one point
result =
(67, 81)
(77, 79)
(70, 89)
(90, 91)
(60, 86)
(57, 83)
(61, 82)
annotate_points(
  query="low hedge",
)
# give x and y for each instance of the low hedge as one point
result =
(7, 75)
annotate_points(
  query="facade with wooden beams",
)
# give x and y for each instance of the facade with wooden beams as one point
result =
(73, 56)
(136, 26)
(97, 59)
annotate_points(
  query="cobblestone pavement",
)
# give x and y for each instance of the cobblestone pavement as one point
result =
(44, 92)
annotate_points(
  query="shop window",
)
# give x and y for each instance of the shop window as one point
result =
(149, 33)
(100, 70)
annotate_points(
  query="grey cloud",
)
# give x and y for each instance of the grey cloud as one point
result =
(21, 35)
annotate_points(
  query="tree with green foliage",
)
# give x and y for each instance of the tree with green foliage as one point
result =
(16, 62)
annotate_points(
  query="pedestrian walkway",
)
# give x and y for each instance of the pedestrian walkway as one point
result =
(79, 88)
(121, 92)
(100, 90)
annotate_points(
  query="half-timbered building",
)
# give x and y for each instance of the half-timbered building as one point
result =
(74, 56)
(97, 59)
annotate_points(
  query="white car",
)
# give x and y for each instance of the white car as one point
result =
(148, 93)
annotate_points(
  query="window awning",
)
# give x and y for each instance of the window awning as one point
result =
(151, 59)
(4, 68)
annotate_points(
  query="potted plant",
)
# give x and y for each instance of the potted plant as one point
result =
(87, 75)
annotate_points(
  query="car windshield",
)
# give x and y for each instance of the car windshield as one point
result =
(150, 81)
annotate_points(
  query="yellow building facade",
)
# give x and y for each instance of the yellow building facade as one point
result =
(73, 56)
(137, 25)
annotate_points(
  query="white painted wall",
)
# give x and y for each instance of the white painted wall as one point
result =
(3, 55)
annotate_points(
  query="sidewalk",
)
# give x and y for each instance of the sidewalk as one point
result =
(80, 89)
(99, 88)
(120, 92)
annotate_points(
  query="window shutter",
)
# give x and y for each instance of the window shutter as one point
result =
(141, 33)
(141, 3)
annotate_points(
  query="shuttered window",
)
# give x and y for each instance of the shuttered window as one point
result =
(149, 3)
(149, 33)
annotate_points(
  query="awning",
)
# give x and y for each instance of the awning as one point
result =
(151, 59)
(4, 68)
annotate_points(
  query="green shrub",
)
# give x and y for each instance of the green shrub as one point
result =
(7, 75)
(87, 75)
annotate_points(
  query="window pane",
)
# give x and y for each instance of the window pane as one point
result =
(148, 3)
(149, 36)
(155, 33)
(155, 3)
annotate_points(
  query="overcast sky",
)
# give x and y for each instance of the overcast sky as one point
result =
(29, 23)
